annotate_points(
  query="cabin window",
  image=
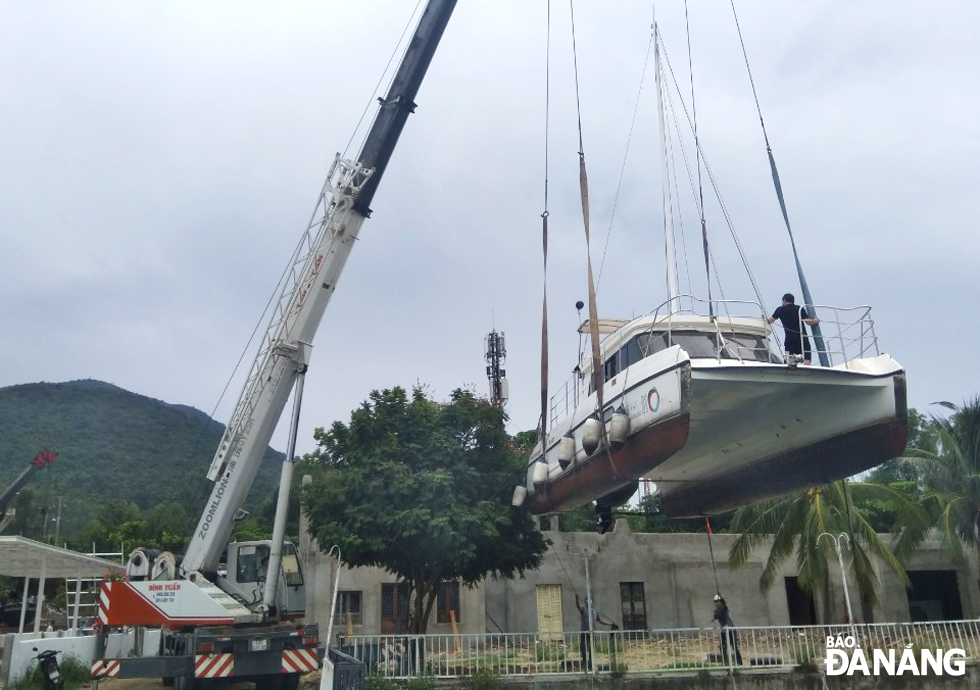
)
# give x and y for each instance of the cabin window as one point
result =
(651, 343)
(697, 345)
(753, 348)
(348, 605)
(630, 354)
(611, 367)
(638, 347)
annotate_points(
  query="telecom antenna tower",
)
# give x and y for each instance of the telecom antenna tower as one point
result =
(496, 353)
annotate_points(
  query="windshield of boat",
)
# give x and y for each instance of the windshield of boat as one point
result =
(697, 344)
(741, 346)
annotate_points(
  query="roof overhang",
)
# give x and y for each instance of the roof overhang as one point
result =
(22, 557)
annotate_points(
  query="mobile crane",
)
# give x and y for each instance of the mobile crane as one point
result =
(43, 459)
(236, 624)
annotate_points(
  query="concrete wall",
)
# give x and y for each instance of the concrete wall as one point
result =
(20, 649)
(677, 578)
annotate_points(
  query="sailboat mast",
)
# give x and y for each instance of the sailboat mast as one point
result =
(670, 253)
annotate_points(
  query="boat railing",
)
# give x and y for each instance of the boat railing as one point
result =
(848, 333)
(565, 400)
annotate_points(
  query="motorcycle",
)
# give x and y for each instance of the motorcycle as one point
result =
(48, 661)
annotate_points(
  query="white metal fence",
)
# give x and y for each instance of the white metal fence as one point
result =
(644, 651)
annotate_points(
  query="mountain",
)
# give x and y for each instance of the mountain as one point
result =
(113, 444)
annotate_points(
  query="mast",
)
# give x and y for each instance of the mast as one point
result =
(673, 288)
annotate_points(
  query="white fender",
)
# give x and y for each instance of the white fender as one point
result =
(619, 427)
(520, 493)
(539, 475)
(566, 450)
(591, 435)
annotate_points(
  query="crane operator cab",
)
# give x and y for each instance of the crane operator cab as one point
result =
(247, 570)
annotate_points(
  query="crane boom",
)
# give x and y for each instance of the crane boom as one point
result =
(40, 461)
(342, 206)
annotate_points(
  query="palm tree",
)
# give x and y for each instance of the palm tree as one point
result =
(952, 476)
(795, 521)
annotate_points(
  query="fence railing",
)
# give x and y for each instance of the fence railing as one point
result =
(645, 651)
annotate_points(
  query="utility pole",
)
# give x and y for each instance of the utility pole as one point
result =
(496, 353)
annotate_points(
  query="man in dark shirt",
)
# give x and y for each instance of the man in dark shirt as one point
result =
(793, 317)
(585, 638)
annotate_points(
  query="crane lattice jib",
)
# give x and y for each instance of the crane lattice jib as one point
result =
(289, 324)
(343, 205)
(310, 282)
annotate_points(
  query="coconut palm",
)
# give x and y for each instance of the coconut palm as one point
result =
(952, 477)
(794, 523)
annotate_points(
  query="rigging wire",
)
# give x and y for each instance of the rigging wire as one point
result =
(807, 299)
(275, 293)
(543, 424)
(377, 87)
(622, 169)
(714, 185)
(694, 111)
(677, 196)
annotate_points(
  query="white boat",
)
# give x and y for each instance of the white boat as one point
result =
(706, 407)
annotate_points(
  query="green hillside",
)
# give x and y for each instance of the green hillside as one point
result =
(111, 445)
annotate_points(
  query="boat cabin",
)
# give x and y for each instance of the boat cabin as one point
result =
(739, 338)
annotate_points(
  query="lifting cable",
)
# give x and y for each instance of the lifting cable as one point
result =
(807, 299)
(584, 189)
(543, 424)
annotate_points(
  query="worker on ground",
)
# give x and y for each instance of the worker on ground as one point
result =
(795, 320)
(585, 638)
(727, 632)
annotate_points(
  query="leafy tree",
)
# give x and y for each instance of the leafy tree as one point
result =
(951, 473)
(796, 521)
(422, 489)
(923, 437)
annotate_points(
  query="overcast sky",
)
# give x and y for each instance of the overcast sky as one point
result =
(159, 160)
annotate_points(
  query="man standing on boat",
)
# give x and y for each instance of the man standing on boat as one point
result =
(794, 319)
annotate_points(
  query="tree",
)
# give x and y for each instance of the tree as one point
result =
(422, 489)
(795, 521)
(923, 437)
(951, 473)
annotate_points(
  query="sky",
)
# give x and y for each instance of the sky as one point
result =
(159, 161)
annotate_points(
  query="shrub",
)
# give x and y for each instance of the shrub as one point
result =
(482, 680)
(376, 682)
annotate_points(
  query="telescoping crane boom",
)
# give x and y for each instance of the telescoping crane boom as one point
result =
(40, 461)
(198, 606)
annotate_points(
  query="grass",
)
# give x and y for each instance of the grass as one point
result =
(74, 674)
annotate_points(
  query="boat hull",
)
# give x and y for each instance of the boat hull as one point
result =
(605, 473)
(655, 397)
(760, 431)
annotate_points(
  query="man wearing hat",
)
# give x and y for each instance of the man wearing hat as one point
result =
(726, 631)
